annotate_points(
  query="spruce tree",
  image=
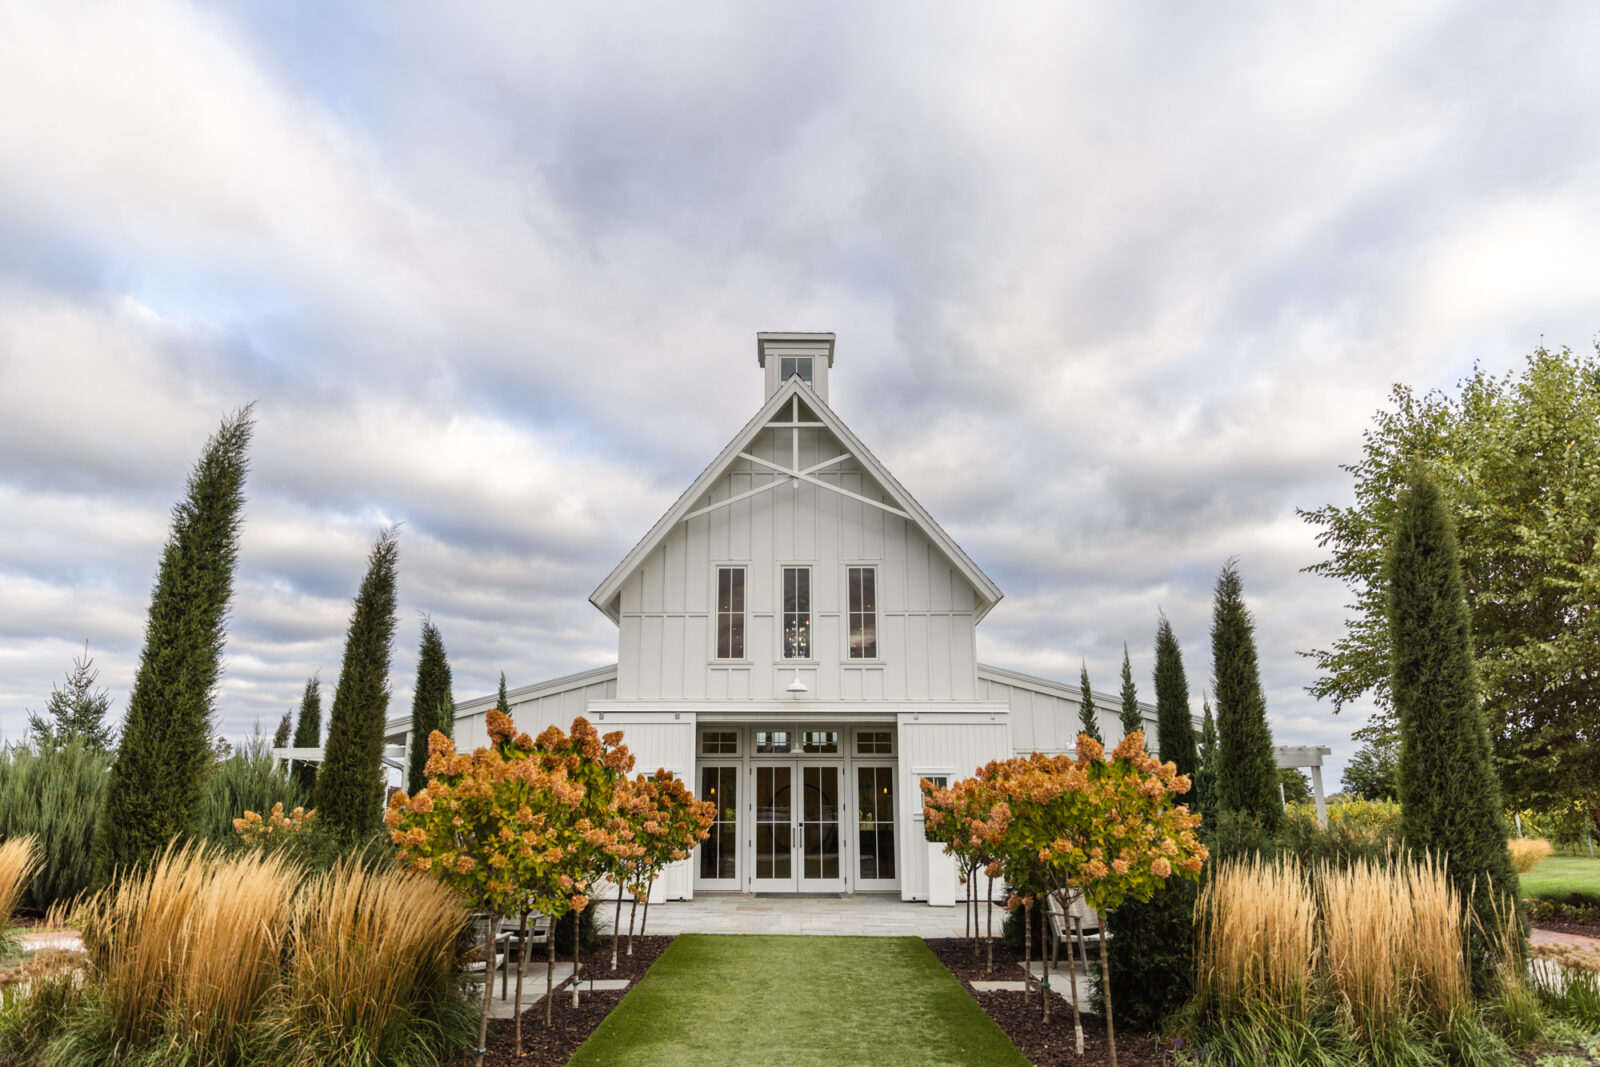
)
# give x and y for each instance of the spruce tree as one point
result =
(428, 702)
(350, 785)
(308, 732)
(1086, 716)
(1247, 767)
(156, 787)
(1449, 795)
(1205, 778)
(1174, 721)
(280, 736)
(78, 711)
(1132, 717)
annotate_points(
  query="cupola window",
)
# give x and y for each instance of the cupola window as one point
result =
(789, 366)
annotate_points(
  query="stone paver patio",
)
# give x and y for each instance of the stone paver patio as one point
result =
(860, 915)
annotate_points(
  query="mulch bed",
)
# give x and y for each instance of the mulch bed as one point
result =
(1568, 926)
(571, 1027)
(1020, 1016)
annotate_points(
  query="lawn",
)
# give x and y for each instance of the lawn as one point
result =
(798, 1000)
(1560, 876)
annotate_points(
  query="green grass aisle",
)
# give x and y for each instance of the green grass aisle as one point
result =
(798, 1000)
(1560, 876)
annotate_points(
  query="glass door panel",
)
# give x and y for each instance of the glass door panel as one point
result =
(774, 828)
(719, 853)
(875, 827)
(819, 828)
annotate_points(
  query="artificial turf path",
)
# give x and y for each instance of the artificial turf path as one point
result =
(798, 1000)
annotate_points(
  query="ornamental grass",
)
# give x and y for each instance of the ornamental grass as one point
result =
(1528, 852)
(1256, 930)
(373, 977)
(19, 858)
(188, 948)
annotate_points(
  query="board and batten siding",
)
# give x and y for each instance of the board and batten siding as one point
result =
(926, 647)
(950, 744)
(1044, 714)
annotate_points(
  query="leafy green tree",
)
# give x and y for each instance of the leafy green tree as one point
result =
(158, 779)
(1518, 459)
(1174, 720)
(1449, 795)
(1295, 786)
(78, 711)
(428, 702)
(1086, 715)
(1371, 772)
(1205, 777)
(1247, 769)
(350, 785)
(1132, 717)
(308, 732)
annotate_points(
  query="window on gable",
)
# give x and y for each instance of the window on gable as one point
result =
(730, 613)
(789, 366)
(797, 613)
(863, 613)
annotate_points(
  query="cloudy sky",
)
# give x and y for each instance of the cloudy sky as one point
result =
(1117, 287)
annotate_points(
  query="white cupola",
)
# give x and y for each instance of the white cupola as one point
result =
(784, 355)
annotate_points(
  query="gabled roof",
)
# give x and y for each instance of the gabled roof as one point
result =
(988, 594)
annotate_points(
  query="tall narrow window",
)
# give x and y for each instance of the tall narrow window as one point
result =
(863, 613)
(730, 613)
(797, 613)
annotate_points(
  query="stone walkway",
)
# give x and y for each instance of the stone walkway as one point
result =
(1557, 937)
(863, 914)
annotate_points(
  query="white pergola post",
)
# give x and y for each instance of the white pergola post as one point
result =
(1310, 757)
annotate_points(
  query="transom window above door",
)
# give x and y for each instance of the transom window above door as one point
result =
(719, 743)
(771, 741)
(797, 613)
(874, 743)
(730, 613)
(819, 741)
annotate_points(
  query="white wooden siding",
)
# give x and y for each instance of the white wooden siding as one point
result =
(926, 609)
(1044, 714)
(936, 743)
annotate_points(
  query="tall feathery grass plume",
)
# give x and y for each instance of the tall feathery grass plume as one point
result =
(1392, 945)
(19, 859)
(1528, 852)
(373, 976)
(1256, 939)
(188, 949)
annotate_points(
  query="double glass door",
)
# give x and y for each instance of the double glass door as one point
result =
(796, 814)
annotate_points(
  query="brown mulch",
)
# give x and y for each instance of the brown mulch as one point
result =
(554, 1046)
(1568, 926)
(1022, 1019)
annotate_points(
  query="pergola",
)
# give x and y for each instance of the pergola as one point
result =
(1308, 756)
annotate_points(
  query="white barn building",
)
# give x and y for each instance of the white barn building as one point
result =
(796, 639)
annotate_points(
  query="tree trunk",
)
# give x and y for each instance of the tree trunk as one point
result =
(522, 962)
(644, 920)
(966, 901)
(1105, 986)
(633, 910)
(1083, 951)
(1044, 982)
(550, 976)
(1027, 945)
(577, 964)
(616, 928)
(988, 933)
(488, 988)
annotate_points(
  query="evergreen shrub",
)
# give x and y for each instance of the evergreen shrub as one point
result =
(54, 793)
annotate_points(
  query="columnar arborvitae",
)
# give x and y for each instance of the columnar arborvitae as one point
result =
(78, 711)
(350, 785)
(1247, 768)
(280, 736)
(428, 702)
(1132, 717)
(1205, 778)
(1089, 721)
(500, 702)
(1174, 721)
(157, 783)
(1449, 796)
(1151, 951)
(308, 732)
